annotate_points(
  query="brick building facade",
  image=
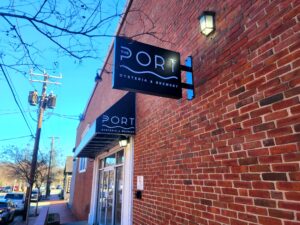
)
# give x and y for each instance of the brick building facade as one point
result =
(231, 155)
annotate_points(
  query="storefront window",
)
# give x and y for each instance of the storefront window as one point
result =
(120, 157)
(118, 191)
(82, 165)
(110, 160)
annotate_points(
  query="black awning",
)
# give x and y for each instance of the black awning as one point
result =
(105, 132)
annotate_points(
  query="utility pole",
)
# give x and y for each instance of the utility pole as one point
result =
(44, 102)
(50, 166)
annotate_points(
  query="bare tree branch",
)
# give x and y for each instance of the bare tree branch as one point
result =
(42, 6)
(74, 28)
(18, 163)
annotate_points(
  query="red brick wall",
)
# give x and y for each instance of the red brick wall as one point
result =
(231, 155)
(82, 193)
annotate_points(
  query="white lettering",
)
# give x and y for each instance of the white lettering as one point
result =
(124, 120)
(115, 120)
(144, 59)
(172, 64)
(118, 120)
(105, 118)
(127, 53)
(146, 54)
(161, 65)
(131, 121)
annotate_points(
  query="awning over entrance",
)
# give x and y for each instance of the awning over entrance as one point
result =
(109, 127)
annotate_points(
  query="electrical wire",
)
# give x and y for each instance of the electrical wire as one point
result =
(71, 117)
(16, 112)
(8, 139)
(15, 98)
(30, 115)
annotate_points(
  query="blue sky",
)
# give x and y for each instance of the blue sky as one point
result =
(72, 96)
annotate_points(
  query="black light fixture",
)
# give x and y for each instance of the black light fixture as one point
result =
(98, 76)
(123, 141)
(207, 23)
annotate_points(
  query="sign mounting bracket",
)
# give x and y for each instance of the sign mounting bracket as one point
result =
(189, 85)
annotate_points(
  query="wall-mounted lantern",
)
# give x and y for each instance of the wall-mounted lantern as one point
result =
(123, 141)
(207, 23)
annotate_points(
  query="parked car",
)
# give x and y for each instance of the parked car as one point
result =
(7, 189)
(7, 211)
(18, 198)
(43, 192)
(35, 195)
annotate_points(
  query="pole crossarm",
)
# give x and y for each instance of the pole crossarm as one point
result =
(45, 75)
(48, 82)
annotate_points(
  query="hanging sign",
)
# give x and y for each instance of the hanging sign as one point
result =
(144, 68)
(119, 118)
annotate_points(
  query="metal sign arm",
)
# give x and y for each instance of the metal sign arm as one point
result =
(189, 85)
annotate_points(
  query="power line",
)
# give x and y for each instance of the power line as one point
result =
(71, 117)
(15, 112)
(8, 139)
(15, 98)
(30, 115)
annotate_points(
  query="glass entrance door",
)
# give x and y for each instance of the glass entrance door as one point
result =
(106, 198)
(110, 191)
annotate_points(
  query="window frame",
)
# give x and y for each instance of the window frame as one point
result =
(82, 165)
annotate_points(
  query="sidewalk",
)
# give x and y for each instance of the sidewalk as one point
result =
(60, 206)
(55, 205)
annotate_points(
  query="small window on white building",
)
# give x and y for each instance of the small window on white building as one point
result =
(82, 164)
